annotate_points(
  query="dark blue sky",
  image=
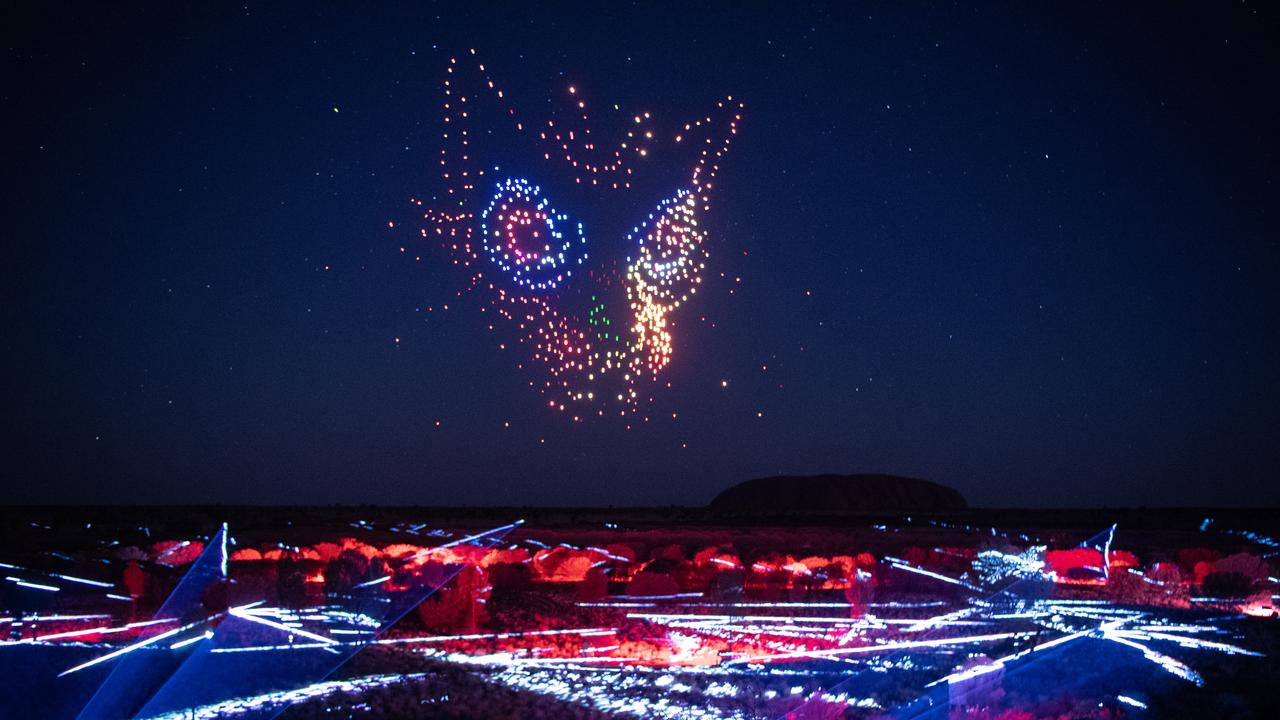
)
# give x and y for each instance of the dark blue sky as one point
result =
(1027, 251)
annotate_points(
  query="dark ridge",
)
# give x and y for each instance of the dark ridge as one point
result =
(836, 495)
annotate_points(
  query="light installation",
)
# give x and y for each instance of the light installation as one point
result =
(994, 627)
(598, 334)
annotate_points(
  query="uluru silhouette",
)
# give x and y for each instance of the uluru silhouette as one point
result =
(836, 495)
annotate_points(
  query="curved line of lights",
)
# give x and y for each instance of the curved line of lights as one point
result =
(523, 235)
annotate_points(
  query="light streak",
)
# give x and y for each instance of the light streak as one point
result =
(244, 613)
(972, 672)
(371, 583)
(1164, 661)
(477, 536)
(277, 648)
(606, 553)
(429, 639)
(34, 586)
(82, 581)
(104, 630)
(940, 620)
(53, 618)
(128, 649)
(587, 632)
(1106, 552)
(676, 596)
(1130, 701)
(869, 621)
(183, 643)
(79, 633)
(1196, 643)
(563, 661)
(1060, 641)
(819, 604)
(902, 645)
(1003, 661)
(928, 573)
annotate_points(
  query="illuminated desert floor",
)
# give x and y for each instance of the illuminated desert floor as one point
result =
(303, 613)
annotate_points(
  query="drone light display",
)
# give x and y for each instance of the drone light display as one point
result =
(598, 333)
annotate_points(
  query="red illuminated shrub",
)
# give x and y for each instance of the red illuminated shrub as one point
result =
(650, 582)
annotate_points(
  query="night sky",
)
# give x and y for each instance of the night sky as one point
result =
(1027, 252)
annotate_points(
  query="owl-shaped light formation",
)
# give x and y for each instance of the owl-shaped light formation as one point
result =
(531, 260)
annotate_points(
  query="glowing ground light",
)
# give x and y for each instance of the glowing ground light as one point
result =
(600, 358)
(699, 657)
